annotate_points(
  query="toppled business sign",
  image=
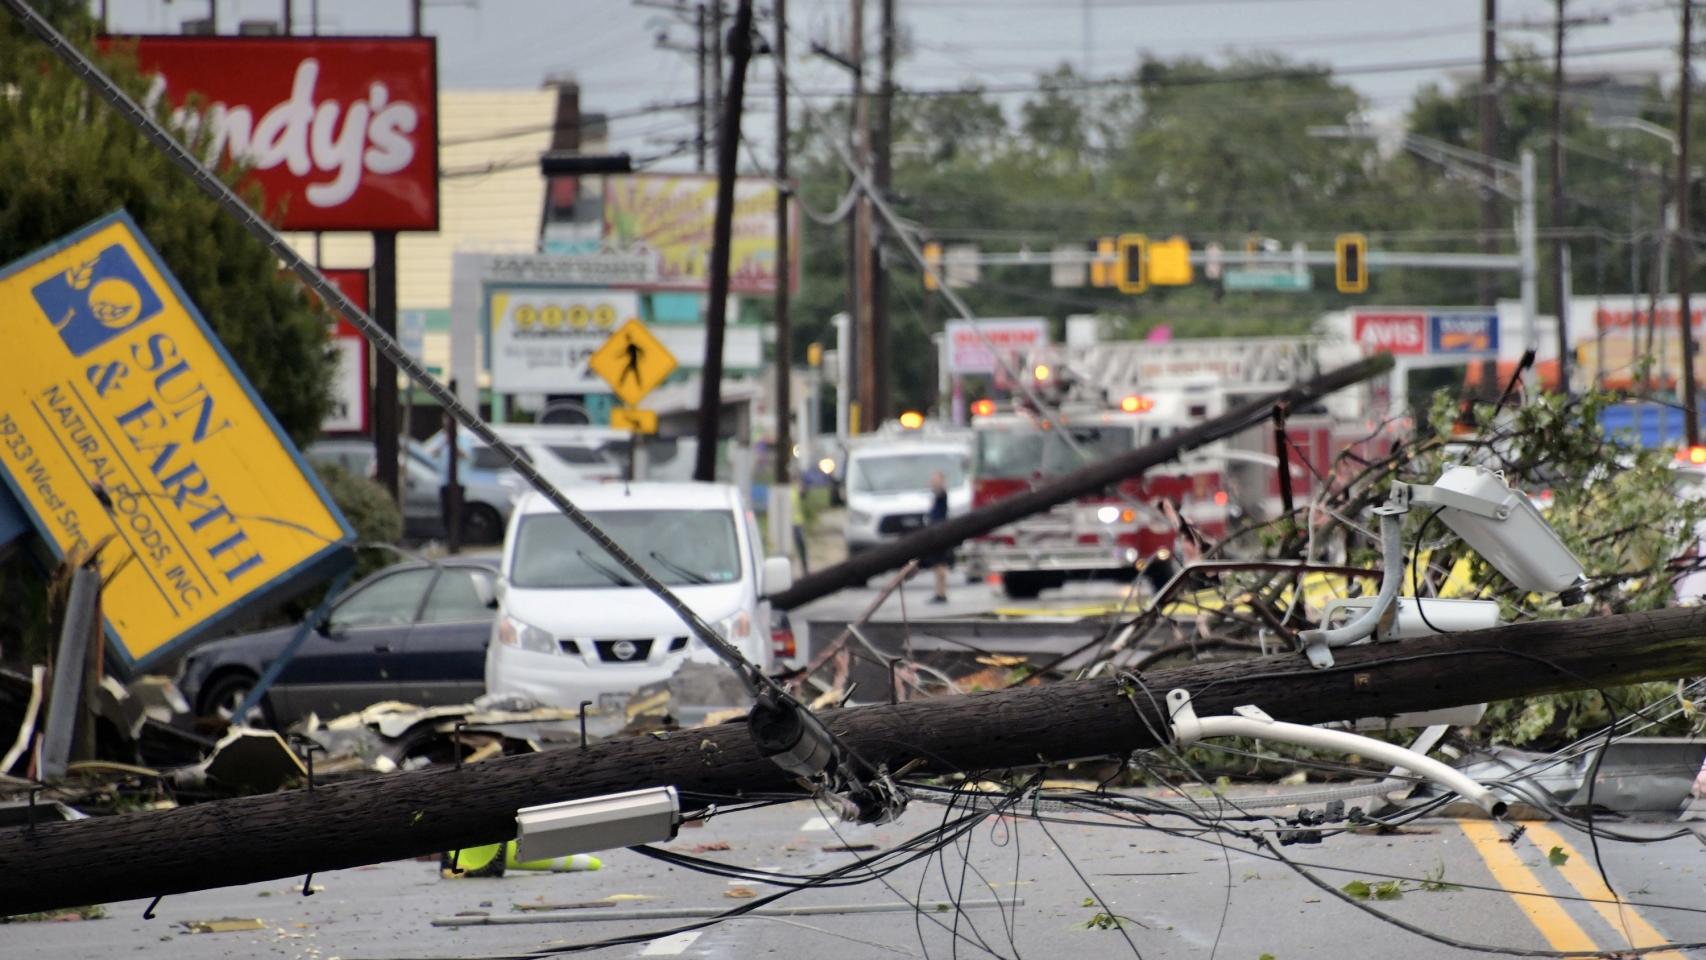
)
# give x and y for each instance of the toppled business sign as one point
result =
(122, 419)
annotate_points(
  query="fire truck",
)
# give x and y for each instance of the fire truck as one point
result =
(1107, 399)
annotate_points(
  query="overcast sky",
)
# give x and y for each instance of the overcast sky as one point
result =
(609, 45)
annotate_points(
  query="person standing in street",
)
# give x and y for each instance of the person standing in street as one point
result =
(942, 560)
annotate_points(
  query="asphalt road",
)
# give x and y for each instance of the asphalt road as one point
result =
(1178, 896)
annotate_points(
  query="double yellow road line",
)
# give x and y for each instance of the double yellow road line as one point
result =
(1548, 915)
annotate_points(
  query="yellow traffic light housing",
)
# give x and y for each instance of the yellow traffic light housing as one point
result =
(933, 264)
(1131, 268)
(1350, 271)
(1170, 262)
(1104, 270)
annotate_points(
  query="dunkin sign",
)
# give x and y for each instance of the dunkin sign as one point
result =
(341, 133)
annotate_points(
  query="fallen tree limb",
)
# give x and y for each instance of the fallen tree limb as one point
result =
(1103, 473)
(412, 814)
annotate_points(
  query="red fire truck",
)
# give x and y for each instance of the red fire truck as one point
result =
(1110, 399)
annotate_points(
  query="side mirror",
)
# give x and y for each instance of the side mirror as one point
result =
(486, 590)
(778, 575)
(324, 629)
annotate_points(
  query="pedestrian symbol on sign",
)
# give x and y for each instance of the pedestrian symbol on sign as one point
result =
(635, 353)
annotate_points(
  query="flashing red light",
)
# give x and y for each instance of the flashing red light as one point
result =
(1220, 498)
(1695, 455)
(983, 408)
(1137, 404)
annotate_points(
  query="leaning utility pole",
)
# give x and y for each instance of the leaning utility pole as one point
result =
(934, 539)
(1561, 306)
(1489, 107)
(395, 817)
(784, 450)
(1684, 236)
(882, 336)
(716, 314)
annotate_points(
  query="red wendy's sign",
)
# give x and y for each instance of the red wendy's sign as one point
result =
(342, 133)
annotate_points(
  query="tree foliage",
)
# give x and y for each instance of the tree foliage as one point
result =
(1219, 152)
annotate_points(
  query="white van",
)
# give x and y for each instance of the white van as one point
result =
(573, 626)
(888, 486)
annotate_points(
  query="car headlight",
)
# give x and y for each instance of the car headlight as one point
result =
(1108, 514)
(737, 627)
(516, 633)
(858, 518)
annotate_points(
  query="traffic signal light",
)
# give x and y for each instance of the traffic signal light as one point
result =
(1104, 272)
(1170, 262)
(933, 259)
(1350, 272)
(1131, 269)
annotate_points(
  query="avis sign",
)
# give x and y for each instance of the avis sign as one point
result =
(1397, 333)
(125, 427)
(342, 134)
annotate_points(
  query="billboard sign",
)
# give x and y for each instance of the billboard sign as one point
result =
(353, 380)
(542, 338)
(669, 216)
(1397, 333)
(1468, 334)
(341, 133)
(969, 346)
(124, 426)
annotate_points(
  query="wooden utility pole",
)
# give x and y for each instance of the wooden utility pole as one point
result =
(65, 864)
(716, 314)
(699, 115)
(784, 453)
(1489, 109)
(1103, 473)
(863, 317)
(882, 174)
(715, 104)
(1559, 262)
(1683, 237)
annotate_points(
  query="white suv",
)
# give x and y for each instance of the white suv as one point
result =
(573, 626)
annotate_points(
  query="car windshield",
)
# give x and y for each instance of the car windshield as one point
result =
(1094, 444)
(679, 547)
(486, 458)
(1009, 453)
(903, 472)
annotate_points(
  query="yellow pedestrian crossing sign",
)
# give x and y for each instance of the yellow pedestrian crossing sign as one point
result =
(633, 362)
(634, 420)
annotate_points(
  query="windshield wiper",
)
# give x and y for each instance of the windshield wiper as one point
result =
(615, 576)
(693, 576)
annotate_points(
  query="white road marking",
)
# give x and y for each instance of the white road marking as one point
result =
(815, 824)
(670, 946)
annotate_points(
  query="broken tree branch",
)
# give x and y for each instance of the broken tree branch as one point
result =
(412, 814)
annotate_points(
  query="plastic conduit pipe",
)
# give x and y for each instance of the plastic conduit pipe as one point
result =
(1251, 722)
(1315, 642)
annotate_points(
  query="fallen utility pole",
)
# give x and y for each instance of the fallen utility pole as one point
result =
(414, 814)
(944, 536)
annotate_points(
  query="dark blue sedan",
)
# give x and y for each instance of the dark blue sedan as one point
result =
(415, 632)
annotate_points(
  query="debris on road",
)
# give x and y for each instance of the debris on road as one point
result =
(224, 925)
